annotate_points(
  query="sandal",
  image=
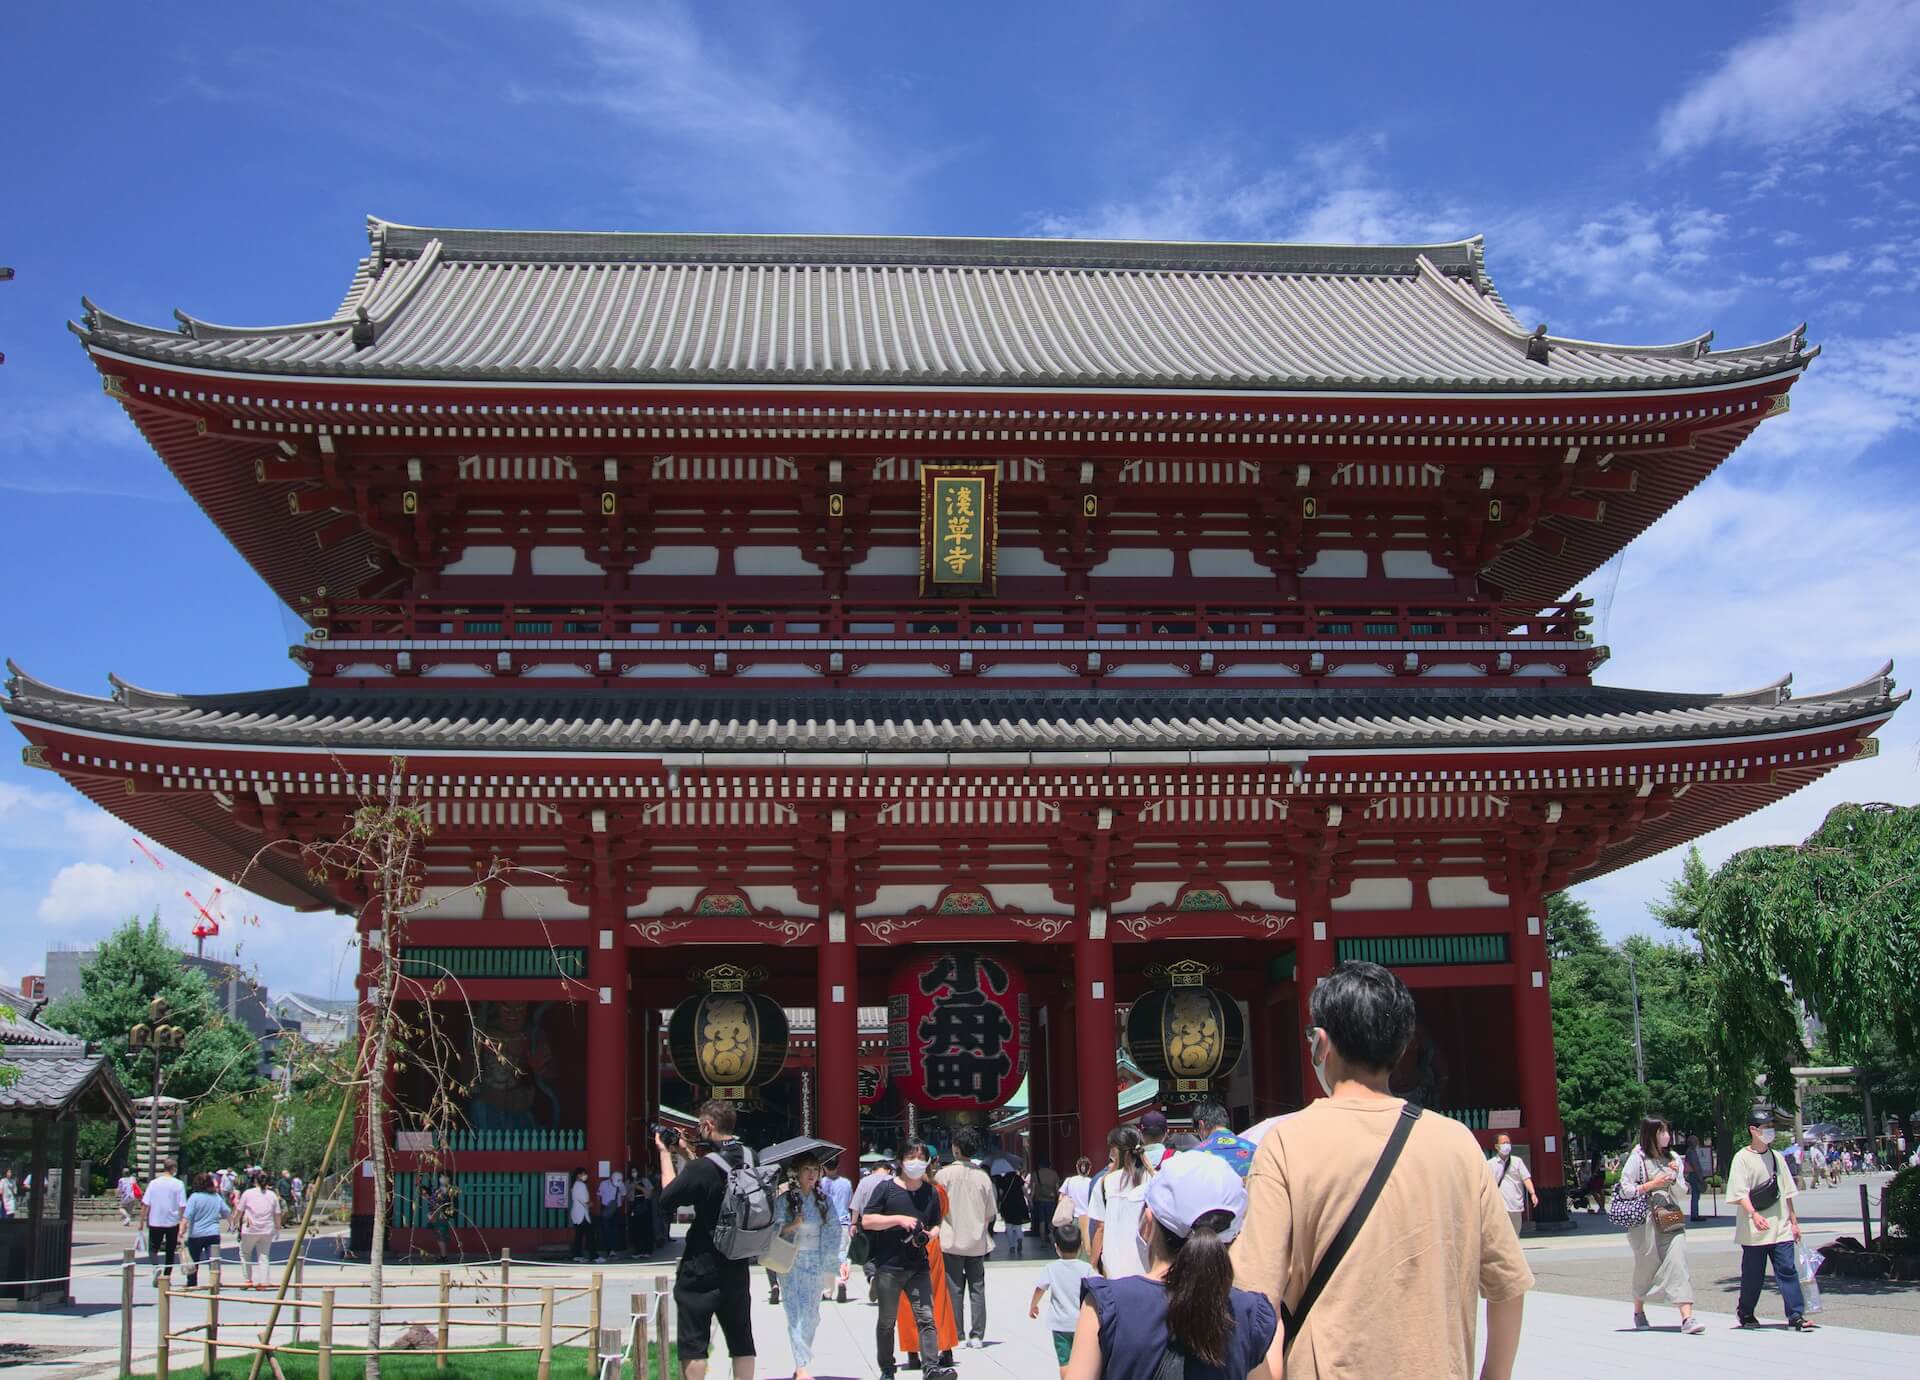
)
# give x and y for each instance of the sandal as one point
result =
(1802, 1325)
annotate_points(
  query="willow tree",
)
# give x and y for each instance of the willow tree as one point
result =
(1832, 924)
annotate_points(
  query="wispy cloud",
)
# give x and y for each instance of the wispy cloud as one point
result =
(1830, 64)
(734, 132)
(76, 444)
(1860, 392)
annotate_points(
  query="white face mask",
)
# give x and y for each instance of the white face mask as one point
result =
(1663, 1140)
(1503, 1149)
(914, 1169)
(1320, 1072)
(1764, 1137)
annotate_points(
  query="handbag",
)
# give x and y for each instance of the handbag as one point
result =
(780, 1253)
(1293, 1319)
(1625, 1209)
(1669, 1219)
(1063, 1211)
(859, 1248)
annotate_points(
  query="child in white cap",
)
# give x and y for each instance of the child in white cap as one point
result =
(1185, 1303)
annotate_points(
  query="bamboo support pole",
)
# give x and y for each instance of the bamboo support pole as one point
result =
(446, 1314)
(212, 1350)
(506, 1274)
(323, 1363)
(593, 1326)
(299, 1293)
(161, 1320)
(546, 1334)
(126, 1315)
(300, 1237)
(662, 1285)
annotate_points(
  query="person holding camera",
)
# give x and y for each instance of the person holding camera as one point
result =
(1660, 1241)
(707, 1285)
(898, 1218)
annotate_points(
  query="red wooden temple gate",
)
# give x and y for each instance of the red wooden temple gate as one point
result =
(801, 603)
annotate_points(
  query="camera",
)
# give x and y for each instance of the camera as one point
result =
(669, 1135)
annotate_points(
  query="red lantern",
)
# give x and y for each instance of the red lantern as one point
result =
(872, 1082)
(957, 1030)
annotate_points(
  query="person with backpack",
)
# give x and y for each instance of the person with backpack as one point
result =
(899, 1217)
(1182, 1316)
(1376, 1260)
(1115, 1203)
(732, 1223)
(1761, 1191)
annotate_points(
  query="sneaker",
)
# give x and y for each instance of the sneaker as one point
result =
(946, 1358)
(599, 1260)
(1693, 1327)
(1749, 1322)
(943, 1373)
(1640, 1323)
(842, 1296)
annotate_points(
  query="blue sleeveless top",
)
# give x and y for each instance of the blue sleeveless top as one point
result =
(1133, 1330)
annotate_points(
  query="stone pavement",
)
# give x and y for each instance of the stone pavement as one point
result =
(1576, 1322)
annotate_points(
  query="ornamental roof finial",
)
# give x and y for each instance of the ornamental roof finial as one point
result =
(1537, 348)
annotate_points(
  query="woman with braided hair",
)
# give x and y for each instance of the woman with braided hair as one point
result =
(805, 1216)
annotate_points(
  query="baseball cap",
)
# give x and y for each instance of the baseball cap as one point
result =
(1190, 1186)
(1153, 1123)
(1761, 1115)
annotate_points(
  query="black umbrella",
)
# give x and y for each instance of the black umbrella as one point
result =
(822, 1150)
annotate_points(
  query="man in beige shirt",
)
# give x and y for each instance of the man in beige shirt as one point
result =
(966, 1235)
(1406, 1299)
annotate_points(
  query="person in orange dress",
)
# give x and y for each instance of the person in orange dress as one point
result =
(944, 1326)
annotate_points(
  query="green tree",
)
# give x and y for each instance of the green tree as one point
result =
(135, 964)
(1600, 1099)
(1673, 1036)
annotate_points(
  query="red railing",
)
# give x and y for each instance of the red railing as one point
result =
(642, 622)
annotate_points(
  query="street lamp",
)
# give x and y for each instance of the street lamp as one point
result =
(165, 1041)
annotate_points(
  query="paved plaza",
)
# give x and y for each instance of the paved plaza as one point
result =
(1577, 1322)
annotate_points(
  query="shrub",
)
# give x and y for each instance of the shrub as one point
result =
(1903, 1203)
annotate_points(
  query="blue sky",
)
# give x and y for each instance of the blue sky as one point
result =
(1670, 169)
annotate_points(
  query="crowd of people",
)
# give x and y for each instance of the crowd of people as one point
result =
(172, 1218)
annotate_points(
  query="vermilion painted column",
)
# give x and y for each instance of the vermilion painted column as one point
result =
(1093, 1036)
(1533, 1052)
(608, 1036)
(837, 1039)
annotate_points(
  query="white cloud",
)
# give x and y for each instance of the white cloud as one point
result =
(729, 127)
(76, 444)
(1334, 194)
(1831, 263)
(1632, 260)
(1831, 64)
(1859, 392)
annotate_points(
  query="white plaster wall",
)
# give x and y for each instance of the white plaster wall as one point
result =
(661, 670)
(1257, 895)
(1136, 564)
(1146, 668)
(564, 560)
(764, 669)
(1462, 893)
(782, 900)
(1410, 565)
(453, 671)
(482, 560)
(888, 560)
(898, 900)
(1337, 565)
(1034, 898)
(1024, 668)
(1146, 894)
(680, 560)
(1267, 670)
(364, 668)
(899, 668)
(663, 899)
(1378, 893)
(450, 903)
(555, 670)
(522, 902)
(1227, 564)
(1454, 670)
(772, 560)
(1024, 560)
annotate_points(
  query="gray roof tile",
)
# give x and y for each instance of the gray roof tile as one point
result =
(705, 310)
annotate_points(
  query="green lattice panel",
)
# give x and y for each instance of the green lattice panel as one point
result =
(428, 964)
(508, 1198)
(1427, 950)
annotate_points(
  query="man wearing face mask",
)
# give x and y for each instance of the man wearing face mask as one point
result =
(1766, 1225)
(1435, 1240)
(708, 1286)
(898, 1218)
(1512, 1179)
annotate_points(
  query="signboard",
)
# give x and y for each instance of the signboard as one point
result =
(957, 1030)
(555, 1197)
(959, 529)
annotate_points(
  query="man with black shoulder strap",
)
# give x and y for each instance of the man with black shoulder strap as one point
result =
(1372, 1229)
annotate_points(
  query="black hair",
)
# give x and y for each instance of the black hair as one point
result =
(1066, 1239)
(1367, 1013)
(1210, 1114)
(1083, 1165)
(1124, 1153)
(1650, 1129)
(966, 1142)
(719, 1115)
(1199, 1282)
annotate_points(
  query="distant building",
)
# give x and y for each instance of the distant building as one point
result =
(317, 1020)
(235, 994)
(33, 987)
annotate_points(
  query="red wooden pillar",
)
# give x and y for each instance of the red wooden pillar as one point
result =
(1269, 1045)
(837, 1039)
(607, 1028)
(1533, 1049)
(643, 1074)
(1093, 1034)
(1312, 957)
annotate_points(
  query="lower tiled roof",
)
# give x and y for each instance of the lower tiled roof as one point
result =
(963, 720)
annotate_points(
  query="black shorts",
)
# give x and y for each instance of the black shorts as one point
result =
(705, 1291)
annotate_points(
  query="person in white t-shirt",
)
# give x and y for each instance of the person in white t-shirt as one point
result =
(1076, 1189)
(1115, 1203)
(259, 1214)
(160, 1213)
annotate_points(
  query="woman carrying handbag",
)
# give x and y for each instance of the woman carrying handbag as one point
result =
(1659, 1241)
(807, 1251)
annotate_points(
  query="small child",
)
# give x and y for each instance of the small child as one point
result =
(1061, 1290)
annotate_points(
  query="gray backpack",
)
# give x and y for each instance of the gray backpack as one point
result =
(744, 1228)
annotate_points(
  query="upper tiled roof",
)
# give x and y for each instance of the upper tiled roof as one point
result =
(54, 1067)
(810, 310)
(960, 721)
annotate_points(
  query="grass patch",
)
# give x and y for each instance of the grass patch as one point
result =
(569, 1363)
